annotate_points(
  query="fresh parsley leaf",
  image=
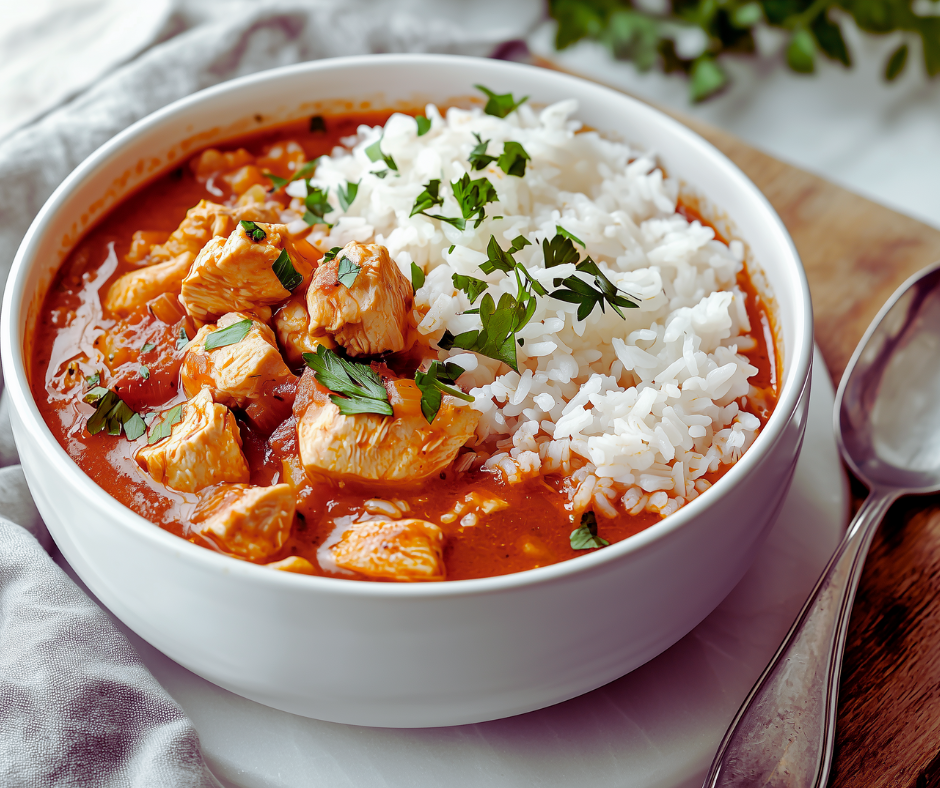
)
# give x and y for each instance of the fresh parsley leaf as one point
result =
(362, 390)
(437, 381)
(317, 124)
(451, 249)
(277, 182)
(252, 230)
(560, 250)
(347, 272)
(93, 380)
(317, 204)
(478, 158)
(230, 335)
(498, 260)
(347, 196)
(585, 537)
(500, 105)
(330, 254)
(896, 63)
(162, 429)
(428, 198)
(183, 339)
(306, 170)
(112, 414)
(374, 152)
(144, 372)
(383, 174)
(513, 158)
(285, 272)
(472, 287)
(424, 125)
(417, 278)
(472, 196)
(147, 347)
(559, 230)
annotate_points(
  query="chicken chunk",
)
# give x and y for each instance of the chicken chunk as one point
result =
(292, 324)
(402, 550)
(237, 275)
(203, 449)
(398, 448)
(294, 564)
(135, 289)
(367, 315)
(235, 374)
(246, 521)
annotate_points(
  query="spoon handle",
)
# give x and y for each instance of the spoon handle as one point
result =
(784, 732)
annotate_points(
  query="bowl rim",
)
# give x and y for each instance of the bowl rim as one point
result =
(16, 383)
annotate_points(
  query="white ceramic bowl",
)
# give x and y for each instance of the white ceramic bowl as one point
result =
(423, 654)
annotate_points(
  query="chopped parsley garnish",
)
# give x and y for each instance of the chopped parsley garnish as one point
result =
(424, 125)
(374, 152)
(428, 198)
(417, 278)
(317, 124)
(112, 414)
(361, 388)
(276, 180)
(147, 347)
(497, 259)
(436, 382)
(93, 380)
(383, 174)
(513, 158)
(472, 287)
(559, 230)
(347, 271)
(330, 254)
(347, 196)
(500, 105)
(183, 339)
(252, 230)
(229, 335)
(572, 289)
(585, 537)
(285, 272)
(472, 196)
(478, 157)
(305, 171)
(317, 204)
(162, 429)
(144, 372)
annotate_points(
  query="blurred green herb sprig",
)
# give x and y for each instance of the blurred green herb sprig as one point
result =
(650, 38)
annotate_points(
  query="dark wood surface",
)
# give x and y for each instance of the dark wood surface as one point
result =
(856, 253)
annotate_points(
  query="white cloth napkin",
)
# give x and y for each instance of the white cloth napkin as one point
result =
(77, 707)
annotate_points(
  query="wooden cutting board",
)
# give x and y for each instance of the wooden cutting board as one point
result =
(856, 253)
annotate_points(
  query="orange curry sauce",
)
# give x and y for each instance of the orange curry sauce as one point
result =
(533, 531)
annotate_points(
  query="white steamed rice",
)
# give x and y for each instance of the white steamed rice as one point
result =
(634, 411)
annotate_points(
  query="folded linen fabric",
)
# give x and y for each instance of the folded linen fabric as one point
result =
(77, 707)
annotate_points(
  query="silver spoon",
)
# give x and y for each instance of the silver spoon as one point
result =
(887, 423)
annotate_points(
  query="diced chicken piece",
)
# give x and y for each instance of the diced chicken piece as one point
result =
(475, 503)
(211, 162)
(135, 289)
(367, 315)
(293, 331)
(402, 550)
(402, 447)
(237, 274)
(238, 373)
(203, 449)
(246, 521)
(295, 564)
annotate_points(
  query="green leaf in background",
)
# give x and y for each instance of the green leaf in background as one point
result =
(829, 37)
(706, 78)
(801, 54)
(896, 63)
(633, 36)
(929, 29)
(747, 15)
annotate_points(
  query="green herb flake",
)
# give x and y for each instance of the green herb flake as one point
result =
(417, 278)
(347, 272)
(317, 204)
(424, 125)
(230, 335)
(570, 236)
(183, 339)
(478, 157)
(276, 181)
(93, 380)
(112, 414)
(374, 152)
(252, 230)
(306, 169)
(429, 198)
(317, 124)
(285, 272)
(347, 196)
(144, 372)
(361, 389)
(330, 254)
(451, 249)
(147, 347)
(472, 196)
(500, 105)
(163, 428)
(433, 384)
(474, 288)
(513, 158)
(585, 537)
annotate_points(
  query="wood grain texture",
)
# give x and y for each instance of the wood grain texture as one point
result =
(856, 253)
